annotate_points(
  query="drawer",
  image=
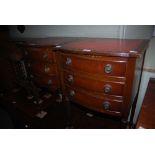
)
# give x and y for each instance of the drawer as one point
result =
(42, 68)
(94, 120)
(50, 82)
(110, 66)
(40, 54)
(97, 103)
(94, 85)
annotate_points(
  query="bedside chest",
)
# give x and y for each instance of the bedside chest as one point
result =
(102, 74)
(41, 61)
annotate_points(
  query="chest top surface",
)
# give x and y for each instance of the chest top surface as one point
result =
(90, 46)
(45, 42)
(103, 46)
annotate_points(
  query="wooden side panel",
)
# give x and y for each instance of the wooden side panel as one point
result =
(136, 84)
(128, 89)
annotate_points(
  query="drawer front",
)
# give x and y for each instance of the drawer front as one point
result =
(96, 103)
(40, 54)
(50, 82)
(41, 68)
(94, 85)
(95, 65)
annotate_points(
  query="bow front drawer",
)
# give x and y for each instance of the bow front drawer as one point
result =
(97, 103)
(42, 68)
(50, 82)
(108, 66)
(95, 85)
(40, 54)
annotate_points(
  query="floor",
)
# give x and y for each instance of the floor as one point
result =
(24, 114)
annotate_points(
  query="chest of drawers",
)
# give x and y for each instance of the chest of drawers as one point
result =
(102, 74)
(41, 61)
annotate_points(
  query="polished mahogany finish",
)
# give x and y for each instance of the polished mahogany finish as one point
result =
(101, 74)
(101, 86)
(109, 47)
(45, 42)
(41, 68)
(146, 117)
(49, 82)
(40, 54)
(41, 62)
(94, 102)
(95, 65)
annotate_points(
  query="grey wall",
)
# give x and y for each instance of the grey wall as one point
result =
(149, 63)
(138, 31)
(103, 31)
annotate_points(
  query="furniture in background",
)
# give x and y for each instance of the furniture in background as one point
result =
(146, 118)
(40, 63)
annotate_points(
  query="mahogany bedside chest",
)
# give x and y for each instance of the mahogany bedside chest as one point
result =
(102, 74)
(40, 61)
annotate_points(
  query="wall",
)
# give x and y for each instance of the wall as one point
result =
(148, 64)
(68, 31)
(103, 31)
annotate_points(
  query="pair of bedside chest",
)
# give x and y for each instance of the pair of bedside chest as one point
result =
(102, 75)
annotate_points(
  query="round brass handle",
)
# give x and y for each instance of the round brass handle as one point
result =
(108, 68)
(26, 52)
(49, 82)
(70, 78)
(106, 105)
(107, 88)
(68, 61)
(29, 65)
(47, 69)
(45, 55)
(31, 76)
(72, 93)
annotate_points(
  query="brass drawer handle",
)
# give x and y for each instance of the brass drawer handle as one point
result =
(108, 68)
(72, 93)
(107, 88)
(106, 105)
(70, 78)
(47, 69)
(26, 52)
(49, 82)
(31, 76)
(68, 61)
(29, 65)
(45, 56)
